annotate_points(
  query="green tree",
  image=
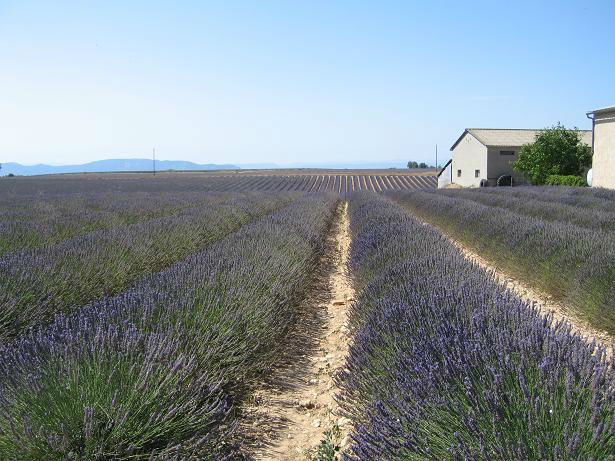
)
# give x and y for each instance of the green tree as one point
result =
(422, 165)
(413, 164)
(556, 151)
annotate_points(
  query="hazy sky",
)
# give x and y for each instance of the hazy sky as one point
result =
(289, 81)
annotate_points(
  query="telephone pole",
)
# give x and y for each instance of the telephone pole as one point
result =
(436, 157)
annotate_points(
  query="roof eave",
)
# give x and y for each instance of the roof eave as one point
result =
(602, 110)
(466, 131)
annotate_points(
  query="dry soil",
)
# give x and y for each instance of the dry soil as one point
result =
(291, 411)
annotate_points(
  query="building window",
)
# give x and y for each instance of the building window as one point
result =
(476, 173)
(507, 152)
(459, 173)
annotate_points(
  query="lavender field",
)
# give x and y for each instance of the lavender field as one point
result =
(343, 184)
(133, 342)
(445, 364)
(140, 316)
(557, 239)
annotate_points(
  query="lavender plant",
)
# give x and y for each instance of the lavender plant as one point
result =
(30, 221)
(445, 364)
(340, 184)
(571, 263)
(524, 202)
(586, 198)
(36, 284)
(155, 372)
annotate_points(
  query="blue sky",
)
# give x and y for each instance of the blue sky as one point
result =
(291, 81)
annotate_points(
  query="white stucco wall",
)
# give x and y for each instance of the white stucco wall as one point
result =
(469, 155)
(603, 163)
(445, 178)
(499, 164)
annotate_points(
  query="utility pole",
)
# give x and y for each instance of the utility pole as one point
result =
(154, 160)
(436, 157)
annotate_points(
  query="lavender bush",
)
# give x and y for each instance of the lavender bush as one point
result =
(445, 364)
(154, 373)
(339, 184)
(594, 197)
(572, 263)
(566, 209)
(29, 221)
(36, 284)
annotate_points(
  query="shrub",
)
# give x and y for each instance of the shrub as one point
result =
(446, 364)
(29, 221)
(37, 284)
(155, 372)
(590, 212)
(589, 198)
(575, 265)
(556, 151)
(565, 180)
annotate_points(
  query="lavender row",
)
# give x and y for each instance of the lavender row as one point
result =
(524, 203)
(127, 183)
(445, 364)
(570, 263)
(37, 284)
(155, 373)
(341, 184)
(29, 222)
(580, 197)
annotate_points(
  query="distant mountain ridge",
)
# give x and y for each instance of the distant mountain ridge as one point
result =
(134, 164)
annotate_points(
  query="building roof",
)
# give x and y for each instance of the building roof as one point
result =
(510, 137)
(599, 114)
(603, 110)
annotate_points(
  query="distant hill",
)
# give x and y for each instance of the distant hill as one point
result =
(133, 164)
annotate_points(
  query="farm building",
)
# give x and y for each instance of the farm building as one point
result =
(603, 162)
(485, 154)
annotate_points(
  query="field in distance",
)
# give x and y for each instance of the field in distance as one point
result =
(341, 181)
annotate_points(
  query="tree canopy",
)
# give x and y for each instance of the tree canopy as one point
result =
(412, 164)
(556, 151)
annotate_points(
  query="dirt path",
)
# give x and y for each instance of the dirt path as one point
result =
(542, 301)
(291, 411)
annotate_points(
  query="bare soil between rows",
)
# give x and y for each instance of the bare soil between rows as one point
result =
(292, 408)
